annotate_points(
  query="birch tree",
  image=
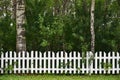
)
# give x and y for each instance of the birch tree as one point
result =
(20, 20)
(92, 26)
(92, 35)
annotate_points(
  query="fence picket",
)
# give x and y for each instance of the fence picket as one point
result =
(49, 60)
(96, 61)
(67, 63)
(70, 54)
(10, 60)
(74, 59)
(40, 62)
(109, 63)
(100, 62)
(60, 62)
(36, 62)
(15, 62)
(44, 60)
(2, 63)
(31, 64)
(23, 61)
(27, 62)
(19, 62)
(91, 57)
(118, 62)
(53, 62)
(113, 62)
(57, 63)
(78, 66)
(104, 62)
(87, 63)
(6, 62)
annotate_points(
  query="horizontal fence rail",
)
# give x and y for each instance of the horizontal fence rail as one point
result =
(60, 62)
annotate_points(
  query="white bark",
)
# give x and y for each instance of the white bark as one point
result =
(92, 36)
(92, 26)
(20, 20)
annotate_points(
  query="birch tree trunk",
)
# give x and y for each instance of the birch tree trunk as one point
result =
(92, 26)
(20, 20)
(91, 57)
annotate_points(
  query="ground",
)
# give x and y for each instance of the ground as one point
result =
(59, 77)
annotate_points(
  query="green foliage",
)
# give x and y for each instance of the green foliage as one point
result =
(10, 67)
(69, 32)
(7, 31)
(63, 64)
(44, 43)
(106, 66)
(118, 61)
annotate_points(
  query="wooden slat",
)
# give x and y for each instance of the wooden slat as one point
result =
(36, 61)
(57, 63)
(44, 59)
(10, 60)
(96, 61)
(49, 54)
(15, 61)
(19, 62)
(66, 62)
(31, 64)
(71, 62)
(109, 62)
(2, 62)
(104, 61)
(118, 60)
(23, 61)
(113, 62)
(53, 62)
(100, 62)
(40, 62)
(28, 62)
(87, 62)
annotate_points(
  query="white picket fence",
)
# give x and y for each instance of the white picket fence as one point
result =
(59, 63)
